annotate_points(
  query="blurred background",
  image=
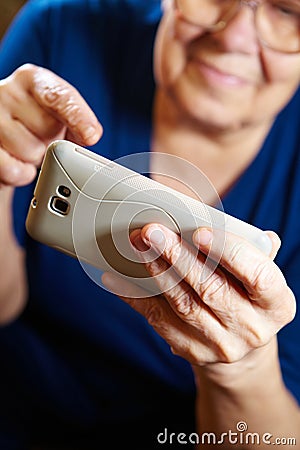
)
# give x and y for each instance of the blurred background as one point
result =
(8, 9)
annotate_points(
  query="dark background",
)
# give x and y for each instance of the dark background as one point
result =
(8, 9)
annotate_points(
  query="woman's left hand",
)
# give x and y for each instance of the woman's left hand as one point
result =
(240, 307)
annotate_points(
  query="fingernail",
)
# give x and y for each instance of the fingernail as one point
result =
(203, 236)
(90, 132)
(155, 237)
(266, 243)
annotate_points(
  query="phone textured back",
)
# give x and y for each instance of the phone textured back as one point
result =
(86, 206)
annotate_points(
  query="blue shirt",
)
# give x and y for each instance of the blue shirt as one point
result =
(79, 363)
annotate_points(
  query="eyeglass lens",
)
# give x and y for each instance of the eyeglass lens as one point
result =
(277, 21)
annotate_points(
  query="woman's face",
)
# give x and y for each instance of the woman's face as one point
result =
(224, 79)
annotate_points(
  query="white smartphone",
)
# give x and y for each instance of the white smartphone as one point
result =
(86, 205)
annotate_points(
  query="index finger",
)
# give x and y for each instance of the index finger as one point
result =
(64, 102)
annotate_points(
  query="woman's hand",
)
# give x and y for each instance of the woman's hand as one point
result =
(36, 107)
(220, 318)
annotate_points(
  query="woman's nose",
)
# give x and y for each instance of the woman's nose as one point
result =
(239, 35)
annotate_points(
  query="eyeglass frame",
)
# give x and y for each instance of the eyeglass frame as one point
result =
(223, 22)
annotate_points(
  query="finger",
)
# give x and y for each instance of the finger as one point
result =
(262, 278)
(198, 286)
(153, 308)
(225, 304)
(20, 143)
(64, 103)
(186, 260)
(169, 281)
(18, 105)
(225, 321)
(184, 292)
(250, 274)
(14, 172)
(184, 340)
(179, 294)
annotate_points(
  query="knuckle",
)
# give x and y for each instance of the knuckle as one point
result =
(239, 344)
(61, 99)
(184, 301)
(188, 351)
(154, 315)
(14, 88)
(257, 337)
(53, 91)
(184, 259)
(291, 309)
(234, 253)
(230, 355)
(19, 75)
(215, 288)
(53, 96)
(264, 276)
(287, 312)
(156, 268)
(72, 112)
(230, 351)
(23, 74)
(27, 69)
(174, 252)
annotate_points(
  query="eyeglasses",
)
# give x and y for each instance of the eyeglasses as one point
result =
(277, 21)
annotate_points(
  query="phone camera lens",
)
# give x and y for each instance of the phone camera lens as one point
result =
(34, 202)
(64, 191)
(59, 205)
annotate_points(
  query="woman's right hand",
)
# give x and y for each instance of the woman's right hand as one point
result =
(37, 107)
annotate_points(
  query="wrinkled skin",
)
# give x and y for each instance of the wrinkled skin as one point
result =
(36, 107)
(237, 309)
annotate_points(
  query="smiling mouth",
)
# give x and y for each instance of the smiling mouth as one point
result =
(217, 76)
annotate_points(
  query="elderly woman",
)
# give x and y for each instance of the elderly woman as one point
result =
(208, 362)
